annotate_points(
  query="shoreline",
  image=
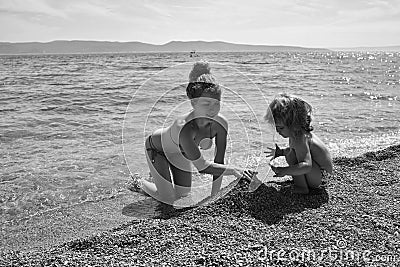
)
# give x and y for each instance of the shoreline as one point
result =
(357, 211)
(355, 147)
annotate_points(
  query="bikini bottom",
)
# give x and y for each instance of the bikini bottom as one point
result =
(154, 150)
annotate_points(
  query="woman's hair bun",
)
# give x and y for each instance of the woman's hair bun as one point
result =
(199, 68)
(202, 81)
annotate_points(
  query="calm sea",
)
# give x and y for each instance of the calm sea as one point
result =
(62, 116)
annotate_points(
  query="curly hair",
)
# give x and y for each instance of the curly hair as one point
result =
(201, 81)
(292, 111)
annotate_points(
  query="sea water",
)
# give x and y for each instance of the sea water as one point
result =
(62, 116)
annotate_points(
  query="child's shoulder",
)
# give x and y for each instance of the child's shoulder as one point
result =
(314, 139)
(301, 140)
(316, 142)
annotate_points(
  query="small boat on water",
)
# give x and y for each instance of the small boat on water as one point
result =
(193, 54)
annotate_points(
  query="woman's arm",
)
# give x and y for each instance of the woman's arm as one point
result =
(220, 146)
(220, 143)
(192, 153)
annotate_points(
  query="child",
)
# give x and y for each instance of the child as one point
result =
(307, 156)
(174, 149)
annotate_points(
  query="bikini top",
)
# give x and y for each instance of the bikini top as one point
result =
(206, 143)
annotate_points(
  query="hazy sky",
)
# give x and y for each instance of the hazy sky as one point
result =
(309, 23)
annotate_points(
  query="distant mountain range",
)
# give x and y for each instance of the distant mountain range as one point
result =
(71, 47)
(393, 48)
(67, 47)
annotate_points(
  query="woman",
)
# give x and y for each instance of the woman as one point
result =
(176, 148)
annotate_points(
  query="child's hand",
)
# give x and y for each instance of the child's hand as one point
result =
(279, 171)
(270, 153)
(274, 152)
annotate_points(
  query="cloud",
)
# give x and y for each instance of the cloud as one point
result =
(159, 21)
(30, 8)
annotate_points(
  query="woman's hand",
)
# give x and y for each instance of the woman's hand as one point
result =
(242, 173)
(274, 152)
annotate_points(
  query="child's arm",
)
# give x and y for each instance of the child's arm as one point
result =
(281, 151)
(277, 151)
(304, 160)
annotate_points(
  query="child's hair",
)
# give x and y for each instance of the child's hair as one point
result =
(202, 81)
(292, 111)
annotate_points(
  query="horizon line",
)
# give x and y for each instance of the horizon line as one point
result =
(109, 41)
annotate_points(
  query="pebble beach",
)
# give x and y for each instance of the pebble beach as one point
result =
(352, 221)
